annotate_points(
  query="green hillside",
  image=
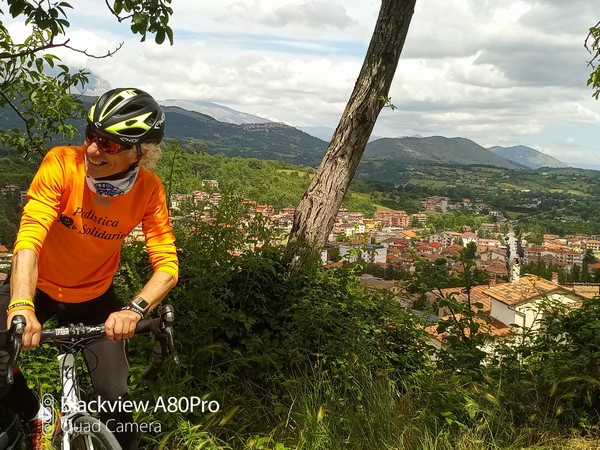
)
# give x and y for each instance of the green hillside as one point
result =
(560, 195)
(436, 150)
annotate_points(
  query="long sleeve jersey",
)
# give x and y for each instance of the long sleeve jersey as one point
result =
(78, 234)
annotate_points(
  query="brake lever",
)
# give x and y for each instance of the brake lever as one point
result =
(168, 318)
(17, 328)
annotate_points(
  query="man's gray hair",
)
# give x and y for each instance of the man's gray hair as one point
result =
(150, 155)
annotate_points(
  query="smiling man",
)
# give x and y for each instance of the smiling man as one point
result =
(82, 203)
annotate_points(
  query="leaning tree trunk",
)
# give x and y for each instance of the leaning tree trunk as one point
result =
(315, 214)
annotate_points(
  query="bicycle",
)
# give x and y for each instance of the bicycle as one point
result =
(79, 430)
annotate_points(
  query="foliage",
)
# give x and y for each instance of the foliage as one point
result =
(254, 308)
(16, 171)
(592, 43)
(147, 16)
(463, 326)
(575, 274)
(8, 227)
(274, 183)
(455, 221)
(36, 86)
(270, 182)
(10, 214)
(134, 270)
(553, 371)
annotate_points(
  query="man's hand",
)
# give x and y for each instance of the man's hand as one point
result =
(121, 325)
(33, 329)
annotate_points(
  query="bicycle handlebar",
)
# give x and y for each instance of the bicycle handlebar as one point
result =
(161, 327)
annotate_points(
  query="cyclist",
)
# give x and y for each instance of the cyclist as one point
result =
(82, 203)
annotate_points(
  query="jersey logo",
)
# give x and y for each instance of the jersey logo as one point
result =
(67, 221)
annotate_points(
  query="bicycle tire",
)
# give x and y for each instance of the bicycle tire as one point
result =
(84, 429)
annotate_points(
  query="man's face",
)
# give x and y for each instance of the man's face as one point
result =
(100, 163)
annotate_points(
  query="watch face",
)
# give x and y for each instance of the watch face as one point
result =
(142, 304)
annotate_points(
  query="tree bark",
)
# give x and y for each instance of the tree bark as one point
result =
(315, 214)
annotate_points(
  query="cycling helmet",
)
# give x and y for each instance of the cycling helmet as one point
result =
(129, 116)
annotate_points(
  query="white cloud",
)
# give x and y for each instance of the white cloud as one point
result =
(313, 15)
(511, 13)
(505, 73)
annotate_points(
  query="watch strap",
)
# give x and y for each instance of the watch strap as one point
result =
(138, 305)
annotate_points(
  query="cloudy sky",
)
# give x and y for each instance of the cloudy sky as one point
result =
(497, 72)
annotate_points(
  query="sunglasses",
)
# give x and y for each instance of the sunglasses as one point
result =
(103, 144)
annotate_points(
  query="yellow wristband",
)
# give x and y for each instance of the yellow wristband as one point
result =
(21, 300)
(20, 308)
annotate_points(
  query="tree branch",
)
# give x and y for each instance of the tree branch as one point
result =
(22, 117)
(594, 34)
(65, 44)
(31, 51)
(15, 109)
(109, 53)
(114, 13)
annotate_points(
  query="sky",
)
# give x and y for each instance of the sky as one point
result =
(496, 72)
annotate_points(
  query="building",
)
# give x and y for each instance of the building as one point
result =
(517, 305)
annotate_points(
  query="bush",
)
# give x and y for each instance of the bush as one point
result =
(552, 375)
(245, 327)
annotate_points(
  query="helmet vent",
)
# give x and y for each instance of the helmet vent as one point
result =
(132, 132)
(131, 109)
(151, 120)
(114, 104)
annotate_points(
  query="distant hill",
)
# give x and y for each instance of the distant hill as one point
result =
(271, 140)
(526, 156)
(435, 150)
(326, 133)
(216, 111)
(323, 133)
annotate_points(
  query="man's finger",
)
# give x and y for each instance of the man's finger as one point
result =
(108, 329)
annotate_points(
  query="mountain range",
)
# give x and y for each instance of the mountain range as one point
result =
(234, 133)
(527, 156)
(414, 149)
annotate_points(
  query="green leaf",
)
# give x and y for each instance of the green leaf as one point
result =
(16, 8)
(160, 36)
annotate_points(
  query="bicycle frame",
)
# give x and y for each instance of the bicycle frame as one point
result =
(70, 406)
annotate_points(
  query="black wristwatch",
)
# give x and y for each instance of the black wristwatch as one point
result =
(138, 305)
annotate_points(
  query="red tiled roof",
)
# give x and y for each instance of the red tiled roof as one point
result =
(476, 294)
(586, 290)
(527, 288)
(493, 328)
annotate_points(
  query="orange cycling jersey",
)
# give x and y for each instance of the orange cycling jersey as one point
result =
(78, 234)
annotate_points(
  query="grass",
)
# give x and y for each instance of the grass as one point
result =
(431, 183)
(360, 410)
(366, 197)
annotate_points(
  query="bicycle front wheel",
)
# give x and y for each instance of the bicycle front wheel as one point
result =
(87, 433)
